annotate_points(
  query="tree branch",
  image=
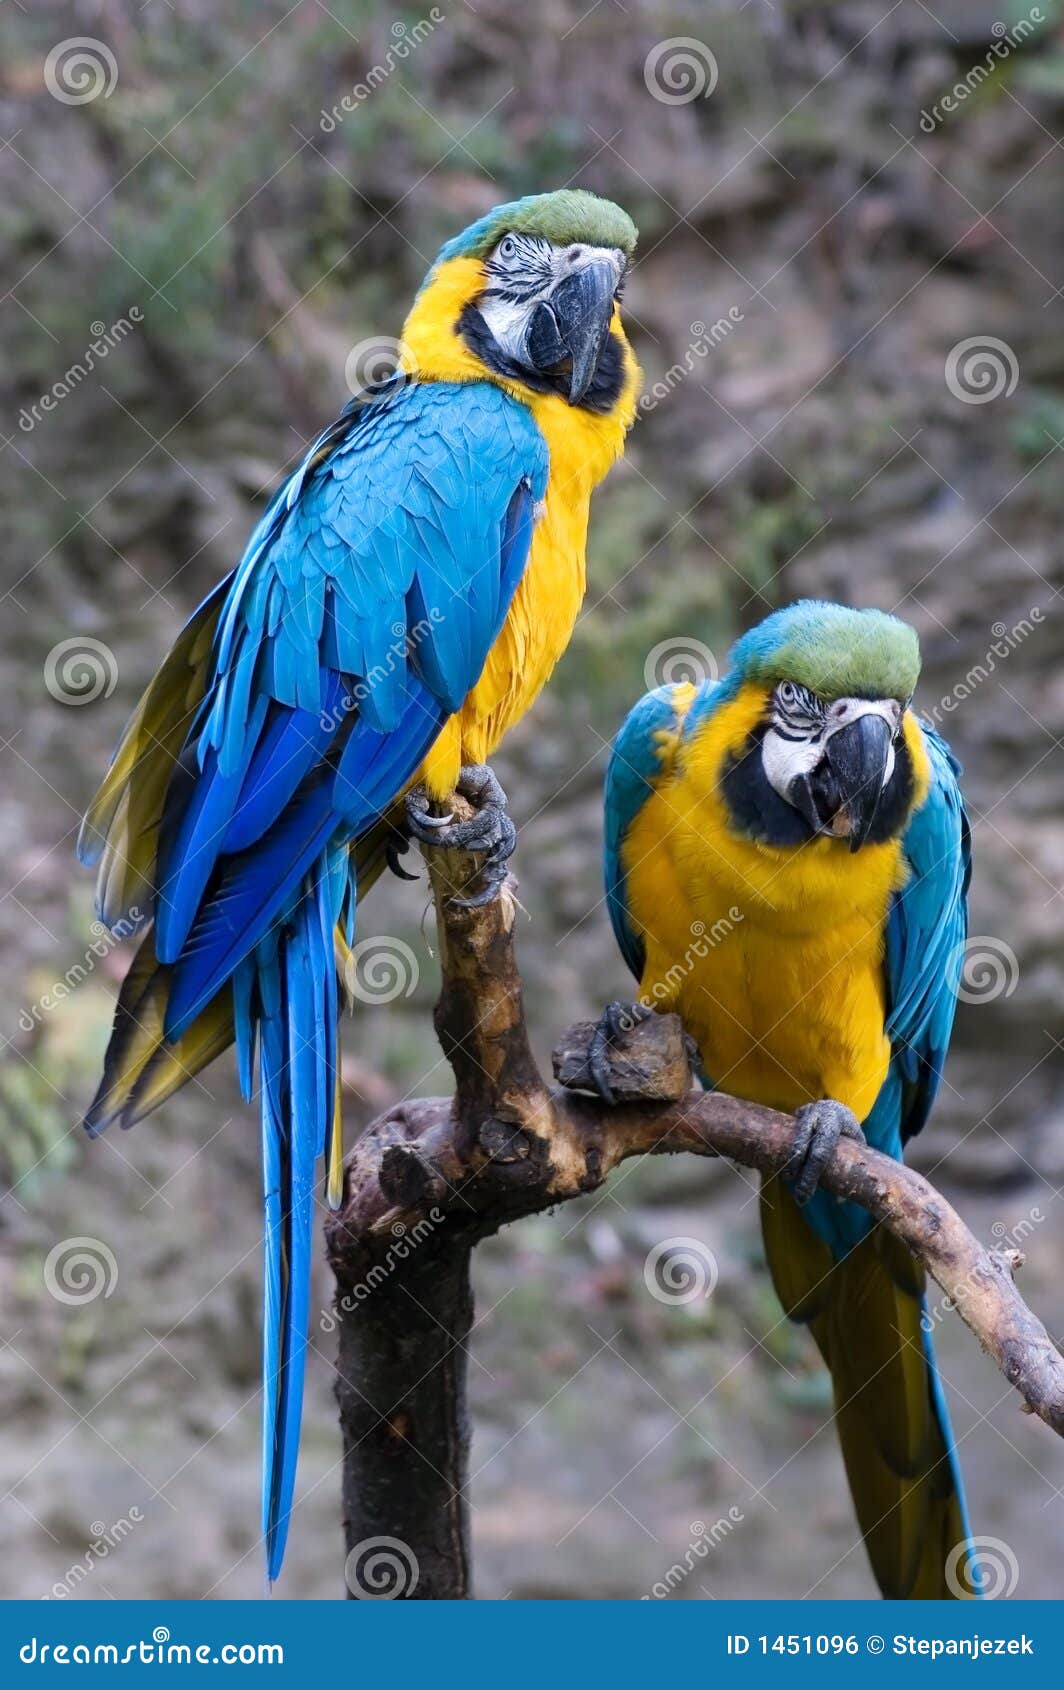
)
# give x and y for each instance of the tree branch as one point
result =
(437, 1175)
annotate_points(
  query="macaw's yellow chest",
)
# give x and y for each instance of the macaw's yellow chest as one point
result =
(538, 628)
(545, 606)
(774, 959)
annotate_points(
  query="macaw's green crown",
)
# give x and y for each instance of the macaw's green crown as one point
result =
(564, 217)
(834, 651)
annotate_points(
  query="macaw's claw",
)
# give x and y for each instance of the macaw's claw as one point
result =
(818, 1128)
(616, 1019)
(397, 846)
(489, 832)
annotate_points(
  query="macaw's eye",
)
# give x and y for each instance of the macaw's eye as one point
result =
(800, 707)
(507, 247)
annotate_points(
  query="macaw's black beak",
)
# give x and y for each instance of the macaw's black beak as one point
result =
(842, 794)
(575, 324)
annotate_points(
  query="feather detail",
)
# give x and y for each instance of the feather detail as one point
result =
(140, 1069)
(121, 824)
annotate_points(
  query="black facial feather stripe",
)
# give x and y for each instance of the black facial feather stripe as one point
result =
(812, 732)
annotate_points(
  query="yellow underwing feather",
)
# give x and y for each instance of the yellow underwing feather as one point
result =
(171, 1065)
(121, 826)
(334, 1181)
(140, 1069)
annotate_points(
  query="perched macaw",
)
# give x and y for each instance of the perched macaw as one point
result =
(787, 859)
(400, 604)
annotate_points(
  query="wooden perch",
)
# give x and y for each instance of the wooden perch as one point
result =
(432, 1177)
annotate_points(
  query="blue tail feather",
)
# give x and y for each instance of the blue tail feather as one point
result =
(294, 996)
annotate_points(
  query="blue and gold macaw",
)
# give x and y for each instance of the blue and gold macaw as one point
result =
(787, 861)
(401, 603)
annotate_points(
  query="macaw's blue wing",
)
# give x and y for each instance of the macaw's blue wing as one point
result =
(360, 618)
(925, 938)
(297, 706)
(634, 765)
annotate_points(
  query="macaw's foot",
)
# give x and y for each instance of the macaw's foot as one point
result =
(818, 1128)
(489, 832)
(616, 1020)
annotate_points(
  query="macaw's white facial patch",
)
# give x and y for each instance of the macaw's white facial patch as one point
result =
(802, 725)
(523, 273)
(785, 759)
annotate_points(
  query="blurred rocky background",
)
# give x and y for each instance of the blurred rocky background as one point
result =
(849, 308)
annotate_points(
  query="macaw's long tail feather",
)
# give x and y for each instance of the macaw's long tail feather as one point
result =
(285, 997)
(867, 1313)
